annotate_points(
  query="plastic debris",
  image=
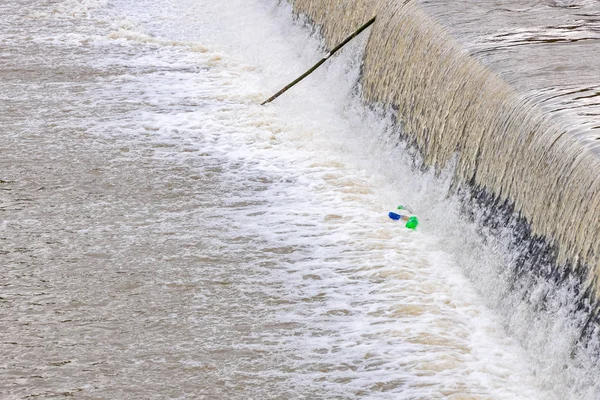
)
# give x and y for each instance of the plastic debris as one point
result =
(411, 220)
(412, 223)
(407, 208)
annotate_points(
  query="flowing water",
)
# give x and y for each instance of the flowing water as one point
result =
(164, 236)
(512, 88)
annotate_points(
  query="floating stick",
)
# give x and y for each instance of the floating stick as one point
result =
(317, 65)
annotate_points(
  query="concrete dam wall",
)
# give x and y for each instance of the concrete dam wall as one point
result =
(512, 89)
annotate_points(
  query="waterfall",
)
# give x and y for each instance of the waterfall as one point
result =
(525, 138)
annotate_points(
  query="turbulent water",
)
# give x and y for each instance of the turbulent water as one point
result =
(511, 88)
(164, 236)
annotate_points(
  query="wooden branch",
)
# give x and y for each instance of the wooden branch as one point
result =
(317, 65)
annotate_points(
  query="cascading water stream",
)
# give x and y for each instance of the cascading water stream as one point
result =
(510, 138)
(507, 94)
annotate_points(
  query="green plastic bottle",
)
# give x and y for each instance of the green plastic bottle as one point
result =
(412, 223)
(407, 208)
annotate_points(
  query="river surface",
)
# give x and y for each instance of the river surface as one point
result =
(162, 235)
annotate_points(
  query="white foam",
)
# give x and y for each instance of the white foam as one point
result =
(378, 310)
